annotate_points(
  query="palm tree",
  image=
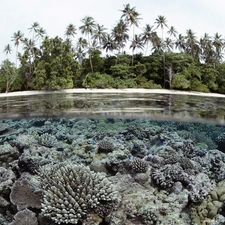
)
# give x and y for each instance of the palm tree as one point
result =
(135, 44)
(120, 34)
(206, 46)
(70, 31)
(172, 31)
(87, 28)
(7, 50)
(218, 43)
(168, 45)
(34, 28)
(180, 43)
(148, 35)
(81, 43)
(131, 16)
(80, 54)
(40, 34)
(17, 37)
(108, 43)
(157, 44)
(192, 46)
(30, 51)
(161, 21)
(99, 34)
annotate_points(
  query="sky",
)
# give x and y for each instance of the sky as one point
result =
(202, 16)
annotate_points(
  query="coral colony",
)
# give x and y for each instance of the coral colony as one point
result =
(111, 172)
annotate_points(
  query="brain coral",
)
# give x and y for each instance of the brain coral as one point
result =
(73, 191)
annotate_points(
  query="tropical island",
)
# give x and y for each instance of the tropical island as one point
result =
(161, 57)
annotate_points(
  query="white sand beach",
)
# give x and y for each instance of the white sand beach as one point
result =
(127, 90)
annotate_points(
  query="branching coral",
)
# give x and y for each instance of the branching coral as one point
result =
(105, 146)
(47, 140)
(139, 165)
(73, 191)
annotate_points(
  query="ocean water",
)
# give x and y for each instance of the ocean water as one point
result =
(107, 158)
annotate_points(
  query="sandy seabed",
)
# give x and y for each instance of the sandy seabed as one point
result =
(127, 90)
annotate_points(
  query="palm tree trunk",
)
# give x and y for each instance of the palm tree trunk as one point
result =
(91, 63)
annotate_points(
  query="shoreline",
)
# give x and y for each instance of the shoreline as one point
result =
(126, 90)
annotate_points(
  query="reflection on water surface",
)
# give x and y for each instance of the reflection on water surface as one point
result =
(126, 105)
(108, 159)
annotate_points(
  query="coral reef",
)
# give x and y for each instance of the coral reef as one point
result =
(210, 207)
(47, 140)
(5, 130)
(73, 191)
(105, 146)
(220, 141)
(158, 172)
(139, 165)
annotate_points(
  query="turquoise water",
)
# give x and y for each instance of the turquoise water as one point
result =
(112, 159)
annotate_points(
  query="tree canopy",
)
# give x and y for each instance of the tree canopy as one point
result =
(89, 54)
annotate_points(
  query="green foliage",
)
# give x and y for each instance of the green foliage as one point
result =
(98, 80)
(180, 82)
(8, 75)
(179, 61)
(221, 78)
(96, 61)
(209, 77)
(122, 71)
(143, 82)
(124, 83)
(197, 85)
(56, 67)
(139, 69)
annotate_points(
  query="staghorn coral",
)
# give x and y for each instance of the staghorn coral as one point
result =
(25, 217)
(139, 165)
(105, 146)
(71, 192)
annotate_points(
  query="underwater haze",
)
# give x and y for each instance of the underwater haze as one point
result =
(112, 158)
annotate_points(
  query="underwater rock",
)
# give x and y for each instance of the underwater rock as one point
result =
(215, 161)
(23, 195)
(220, 141)
(7, 178)
(5, 130)
(25, 217)
(206, 212)
(8, 153)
